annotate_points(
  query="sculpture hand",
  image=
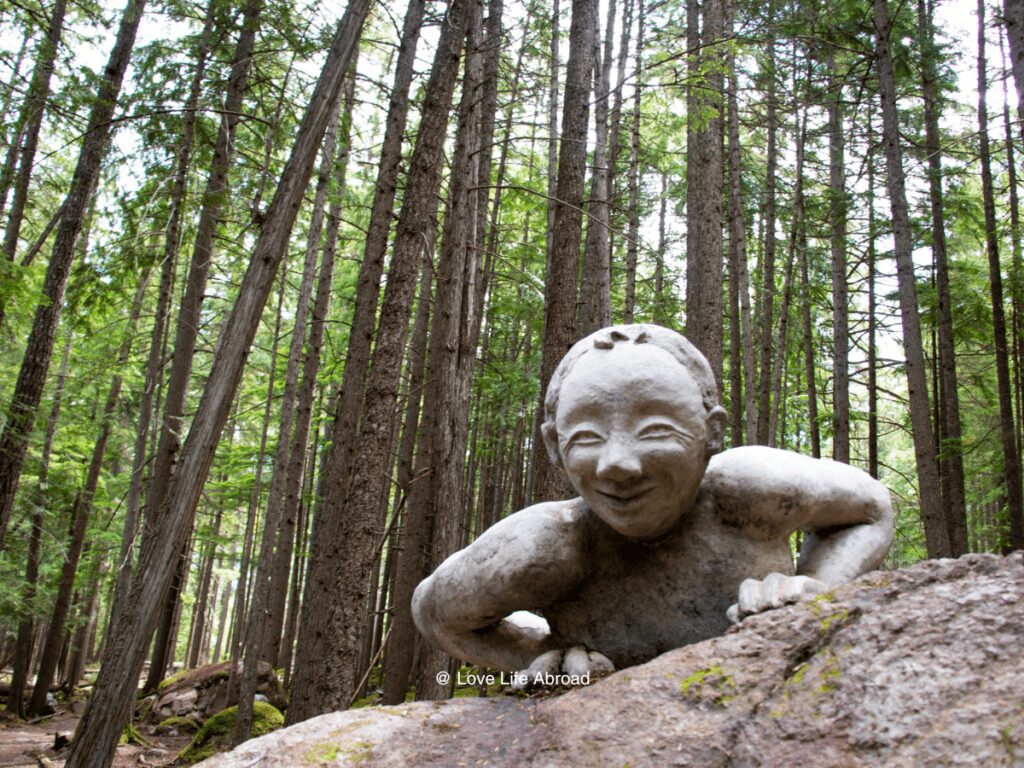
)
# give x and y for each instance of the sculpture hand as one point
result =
(774, 591)
(575, 661)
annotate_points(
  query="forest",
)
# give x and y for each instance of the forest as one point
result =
(283, 284)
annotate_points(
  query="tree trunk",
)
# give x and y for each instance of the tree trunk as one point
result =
(768, 263)
(345, 535)
(109, 708)
(704, 265)
(189, 313)
(555, 59)
(872, 309)
(199, 620)
(338, 461)
(241, 589)
(412, 560)
(264, 633)
(449, 370)
(1011, 457)
(26, 626)
(86, 624)
(80, 511)
(1013, 15)
(30, 121)
(840, 310)
(742, 368)
(36, 362)
(951, 465)
(936, 535)
(633, 238)
(14, 138)
(595, 310)
(563, 257)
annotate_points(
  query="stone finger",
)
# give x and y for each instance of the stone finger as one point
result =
(576, 661)
(600, 664)
(751, 597)
(773, 588)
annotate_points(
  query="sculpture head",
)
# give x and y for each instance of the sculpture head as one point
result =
(632, 415)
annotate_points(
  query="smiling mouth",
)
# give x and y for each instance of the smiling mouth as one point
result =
(626, 496)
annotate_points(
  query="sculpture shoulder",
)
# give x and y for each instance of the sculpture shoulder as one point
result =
(548, 536)
(769, 491)
(758, 488)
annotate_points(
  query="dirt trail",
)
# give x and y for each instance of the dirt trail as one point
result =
(31, 744)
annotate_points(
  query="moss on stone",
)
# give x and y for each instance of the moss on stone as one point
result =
(168, 682)
(709, 684)
(320, 753)
(215, 735)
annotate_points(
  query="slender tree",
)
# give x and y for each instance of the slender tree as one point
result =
(346, 534)
(108, 710)
(838, 205)
(36, 362)
(563, 258)
(29, 124)
(1011, 457)
(951, 464)
(936, 535)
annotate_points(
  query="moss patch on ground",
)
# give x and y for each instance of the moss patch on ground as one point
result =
(215, 735)
(180, 723)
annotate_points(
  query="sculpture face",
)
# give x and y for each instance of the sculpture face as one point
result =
(631, 432)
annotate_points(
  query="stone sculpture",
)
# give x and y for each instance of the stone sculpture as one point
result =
(669, 540)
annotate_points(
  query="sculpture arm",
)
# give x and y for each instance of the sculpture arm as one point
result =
(847, 514)
(524, 562)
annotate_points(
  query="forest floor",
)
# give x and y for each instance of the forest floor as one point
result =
(32, 744)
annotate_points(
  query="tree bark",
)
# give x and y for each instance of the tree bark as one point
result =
(595, 305)
(633, 237)
(338, 461)
(936, 535)
(872, 309)
(840, 292)
(1013, 15)
(80, 512)
(172, 236)
(768, 262)
(241, 602)
(704, 265)
(742, 365)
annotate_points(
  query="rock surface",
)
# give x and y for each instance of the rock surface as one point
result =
(918, 667)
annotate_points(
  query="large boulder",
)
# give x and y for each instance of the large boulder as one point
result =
(198, 694)
(917, 667)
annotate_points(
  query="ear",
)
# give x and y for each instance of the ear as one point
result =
(717, 423)
(550, 434)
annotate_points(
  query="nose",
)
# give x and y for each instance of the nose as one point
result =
(618, 462)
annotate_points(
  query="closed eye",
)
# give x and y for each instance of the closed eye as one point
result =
(583, 437)
(662, 430)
